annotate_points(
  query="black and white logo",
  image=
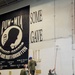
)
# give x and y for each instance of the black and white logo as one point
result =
(14, 38)
(12, 45)
(11, 38)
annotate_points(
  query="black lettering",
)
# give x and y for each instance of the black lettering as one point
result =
(36, 16)
(31, 18)
(32, 37)
(41, 34)
(40, 16)
(36, 36)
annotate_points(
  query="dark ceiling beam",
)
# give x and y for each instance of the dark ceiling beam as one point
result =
(4, 3)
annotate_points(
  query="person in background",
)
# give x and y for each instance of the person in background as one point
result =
(25, 71)
(0, 73)
(31, 65)
(51, 72)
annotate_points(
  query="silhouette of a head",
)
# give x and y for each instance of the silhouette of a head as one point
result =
(12, 36)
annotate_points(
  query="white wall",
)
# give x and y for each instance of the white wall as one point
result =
(57, 31)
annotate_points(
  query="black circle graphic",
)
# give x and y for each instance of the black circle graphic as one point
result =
(11, 38)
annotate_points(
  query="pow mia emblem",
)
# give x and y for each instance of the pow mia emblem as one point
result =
(11, 38)
(14, 38)
(12, 44)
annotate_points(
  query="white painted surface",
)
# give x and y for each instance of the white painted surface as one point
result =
(62, 31)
